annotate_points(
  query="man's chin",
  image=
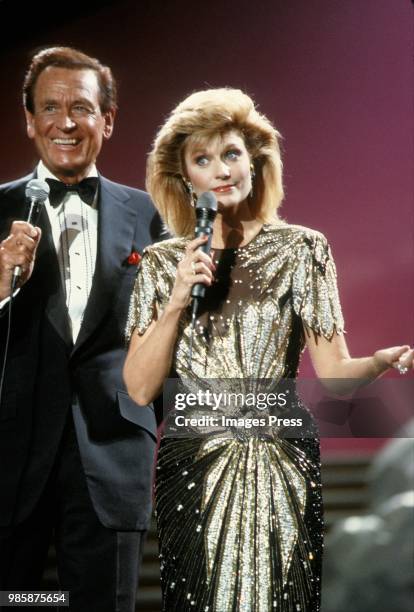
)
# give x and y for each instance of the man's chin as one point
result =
(67, 172)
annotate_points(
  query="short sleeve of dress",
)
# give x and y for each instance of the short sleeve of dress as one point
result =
(144, 296)
(314, 287)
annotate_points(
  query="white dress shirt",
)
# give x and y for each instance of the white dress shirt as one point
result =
(74, 230)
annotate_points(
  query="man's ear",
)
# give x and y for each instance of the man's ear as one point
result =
(109, 118)
(30, 129)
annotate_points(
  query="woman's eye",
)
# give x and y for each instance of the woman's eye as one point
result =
(232, 154)
(201, 160)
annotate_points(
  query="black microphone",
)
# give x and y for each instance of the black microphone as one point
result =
(206, 211)
(37, 191)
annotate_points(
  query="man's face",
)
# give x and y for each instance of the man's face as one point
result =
(67, 124)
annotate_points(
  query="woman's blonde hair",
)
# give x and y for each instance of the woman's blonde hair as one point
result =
(202, 116)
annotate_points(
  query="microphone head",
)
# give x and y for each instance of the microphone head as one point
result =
(37, 190)
(207, 202)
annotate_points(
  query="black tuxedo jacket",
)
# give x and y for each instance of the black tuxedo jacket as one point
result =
(47, 375)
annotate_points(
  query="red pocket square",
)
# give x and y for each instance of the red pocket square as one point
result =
(134, 258)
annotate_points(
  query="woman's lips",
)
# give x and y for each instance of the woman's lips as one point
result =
(223, 189)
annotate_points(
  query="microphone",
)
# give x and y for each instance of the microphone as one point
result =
(37, 191)
(206, 211)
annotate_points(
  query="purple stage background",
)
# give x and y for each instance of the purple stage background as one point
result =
(335, 77)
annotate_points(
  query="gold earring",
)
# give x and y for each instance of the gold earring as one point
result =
(252, 176)
(190, 189)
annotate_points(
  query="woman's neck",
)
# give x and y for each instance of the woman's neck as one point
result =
(231, 232)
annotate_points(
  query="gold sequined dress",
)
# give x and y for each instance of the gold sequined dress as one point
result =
(240, 517)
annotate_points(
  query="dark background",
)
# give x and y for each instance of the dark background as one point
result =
(335, 77)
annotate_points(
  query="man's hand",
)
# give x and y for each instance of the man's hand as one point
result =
(18, 249)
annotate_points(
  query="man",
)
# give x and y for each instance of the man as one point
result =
(76, 453)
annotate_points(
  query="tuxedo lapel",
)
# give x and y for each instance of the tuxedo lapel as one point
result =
(116, 226)
(56, 309)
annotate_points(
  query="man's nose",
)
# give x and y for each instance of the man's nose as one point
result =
(65, 121)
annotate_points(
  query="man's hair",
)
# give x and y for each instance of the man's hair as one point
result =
(72, 59)
(199, 118)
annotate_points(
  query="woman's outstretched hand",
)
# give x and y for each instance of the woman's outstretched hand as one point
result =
(344, 374)
(399, 357)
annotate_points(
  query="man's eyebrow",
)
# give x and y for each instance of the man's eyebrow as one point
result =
(79, 100)
(82, 101)
(49, 101)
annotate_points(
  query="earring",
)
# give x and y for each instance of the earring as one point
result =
(190, 189)
(252, 176)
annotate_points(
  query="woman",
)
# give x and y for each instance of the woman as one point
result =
(239, 516)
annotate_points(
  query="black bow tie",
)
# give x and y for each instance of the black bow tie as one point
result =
(86, 190)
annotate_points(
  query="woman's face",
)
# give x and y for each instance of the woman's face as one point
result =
(221, 165)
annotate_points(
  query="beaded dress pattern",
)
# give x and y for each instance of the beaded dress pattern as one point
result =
(240, 518)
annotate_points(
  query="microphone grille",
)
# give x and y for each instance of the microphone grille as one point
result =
(207, 200)
(37, 190)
